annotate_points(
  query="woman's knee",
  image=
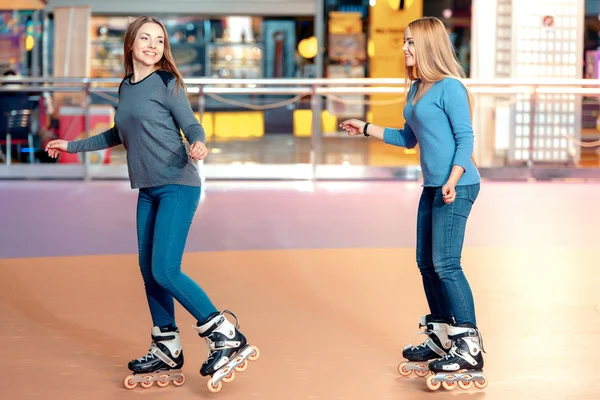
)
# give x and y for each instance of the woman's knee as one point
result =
(425, 265)
(145, 264)
(163, 277)
(446, 266)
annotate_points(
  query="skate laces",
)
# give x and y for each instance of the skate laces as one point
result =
(417, 347)
(427, 332)
(454, 352)
(150, 355)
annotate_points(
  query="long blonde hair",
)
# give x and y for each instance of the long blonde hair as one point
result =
(434, 55)
(166, 63)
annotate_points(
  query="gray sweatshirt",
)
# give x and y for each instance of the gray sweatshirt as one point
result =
(147, 122)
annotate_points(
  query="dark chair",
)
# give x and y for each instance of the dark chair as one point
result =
(18, 132)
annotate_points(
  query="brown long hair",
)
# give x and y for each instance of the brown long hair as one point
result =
(165, 63)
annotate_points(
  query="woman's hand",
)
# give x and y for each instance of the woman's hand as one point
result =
(55, 147)
(449, 192)
(198, 151)
(353, 127)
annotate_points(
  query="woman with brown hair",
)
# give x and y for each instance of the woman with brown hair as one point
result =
(153, 108)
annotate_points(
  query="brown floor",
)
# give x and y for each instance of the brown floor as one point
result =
(330, 324)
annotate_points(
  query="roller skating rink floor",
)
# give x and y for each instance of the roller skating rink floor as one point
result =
(322, 278)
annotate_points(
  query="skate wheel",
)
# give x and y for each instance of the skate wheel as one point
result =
(214, 389)
(254, 356)
(180, 381)
(449, 385)
(164, 381)
(465, 385)
(146, 384)
(229, 378)
(402, 369)
(481, 384)
(129, 383)
(432, 386)
(423, 372)
(242, 367)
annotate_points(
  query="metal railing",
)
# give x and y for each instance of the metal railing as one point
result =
(316, 89)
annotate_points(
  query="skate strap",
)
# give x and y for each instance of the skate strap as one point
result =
(211, 328)
(162, 338)
(427, 319)
(223, 344)
(472, 332)
(427, 331)
(464, 355)
(431, 344)
(163, 357)
(237, 322)
(467, 333)
(216, 323)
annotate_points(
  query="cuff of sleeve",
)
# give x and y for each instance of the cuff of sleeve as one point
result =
(193, 139)
(196, 136)
(462, 165)
(71, 148)
(386, 135)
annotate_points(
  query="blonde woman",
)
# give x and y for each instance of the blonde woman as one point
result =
(153, 108)
(438, 118)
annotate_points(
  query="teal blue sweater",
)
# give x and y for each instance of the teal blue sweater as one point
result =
(440, 123)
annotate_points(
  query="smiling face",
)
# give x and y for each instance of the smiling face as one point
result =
(149, 44)
(409, 49)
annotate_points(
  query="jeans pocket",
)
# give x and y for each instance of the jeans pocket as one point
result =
(463, 193)
(465, 197)
(473, 192)
(197, 198)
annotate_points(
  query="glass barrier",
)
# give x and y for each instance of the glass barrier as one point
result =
(289, 128)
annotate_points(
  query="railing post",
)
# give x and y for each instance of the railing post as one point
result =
(201, 102)
(532, 125)
(315, 131)
(201, 110)
(86, 104)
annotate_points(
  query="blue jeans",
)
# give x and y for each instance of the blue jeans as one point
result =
(440, 236)
(164, 217)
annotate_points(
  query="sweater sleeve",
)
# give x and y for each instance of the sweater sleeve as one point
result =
(104, 140)
(177, 102)
(455, 103)
(400, 137)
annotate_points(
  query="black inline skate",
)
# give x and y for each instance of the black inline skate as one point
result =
(463, 365)
(162, 364)
(436, 346)
(228, 350)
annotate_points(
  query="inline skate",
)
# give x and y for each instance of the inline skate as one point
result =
(228, 350)
(162, 364)
(436, 346)
(463, 365)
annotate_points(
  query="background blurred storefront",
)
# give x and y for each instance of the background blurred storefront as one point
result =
(216, 40)
(265, 39)
(21, 31)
